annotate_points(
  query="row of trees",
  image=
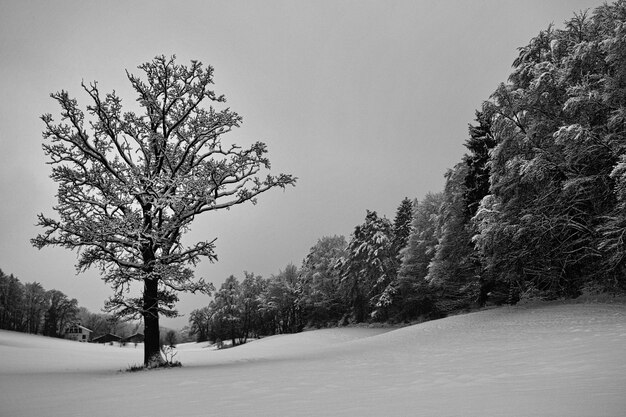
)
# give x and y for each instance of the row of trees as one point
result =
(535, 208)
(29, 308)
(338, 282)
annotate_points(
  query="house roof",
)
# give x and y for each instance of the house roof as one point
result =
(134, 336)
(107, 338)
(78, 325)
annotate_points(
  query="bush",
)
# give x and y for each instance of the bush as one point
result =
(169, 353)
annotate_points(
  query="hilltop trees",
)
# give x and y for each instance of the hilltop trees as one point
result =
(131, 184)
(542, 212)
(552, 222)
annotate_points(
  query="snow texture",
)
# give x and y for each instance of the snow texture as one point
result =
(550, 360)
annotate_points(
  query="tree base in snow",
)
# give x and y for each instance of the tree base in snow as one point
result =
(138, 368)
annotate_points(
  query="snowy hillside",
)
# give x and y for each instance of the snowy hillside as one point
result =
(552, 360)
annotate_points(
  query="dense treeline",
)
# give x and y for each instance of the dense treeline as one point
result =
(535, 208)
(30, 308)
(553, 220)
(338, 282)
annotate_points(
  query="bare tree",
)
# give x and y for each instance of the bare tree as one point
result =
(130, 185)
(171, 339)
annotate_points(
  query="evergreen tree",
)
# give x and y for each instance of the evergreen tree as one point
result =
(416, 297)
(402, 225)
(454, 270)
(368, 265)
(479, 145)
(322, 301)
(386, 307)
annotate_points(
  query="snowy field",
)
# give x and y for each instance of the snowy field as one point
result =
(551, 360)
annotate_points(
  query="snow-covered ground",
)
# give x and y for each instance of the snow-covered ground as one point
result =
(550, 360)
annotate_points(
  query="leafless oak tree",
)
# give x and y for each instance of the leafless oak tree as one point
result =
(130, 185)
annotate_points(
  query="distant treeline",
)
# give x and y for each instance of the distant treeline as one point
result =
(536, 208)
(30, 308)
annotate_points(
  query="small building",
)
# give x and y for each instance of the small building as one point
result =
(77, 332)
(107, 338)
(136, 338)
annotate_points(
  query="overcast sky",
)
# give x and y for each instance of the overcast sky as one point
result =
(365, 102)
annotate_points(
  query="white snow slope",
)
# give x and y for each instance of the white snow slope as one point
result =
(549, 360)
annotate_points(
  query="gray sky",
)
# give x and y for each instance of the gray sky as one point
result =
(365, 102)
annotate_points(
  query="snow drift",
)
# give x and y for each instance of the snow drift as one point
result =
(550, 360)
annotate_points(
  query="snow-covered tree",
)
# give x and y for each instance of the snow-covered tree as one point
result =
(251, 289)
(479, 144)
(402, 225)
(368, 265)
(283, 300)
(551, 224)
(387, 305)
(322, 301)
(226, 311)
(131, 184)
(414, 296)
(453, 271)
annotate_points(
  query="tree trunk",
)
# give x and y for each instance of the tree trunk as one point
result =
(152, 351)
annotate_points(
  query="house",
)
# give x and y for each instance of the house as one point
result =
(107, 338)
(136, 338)
(77, 332)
